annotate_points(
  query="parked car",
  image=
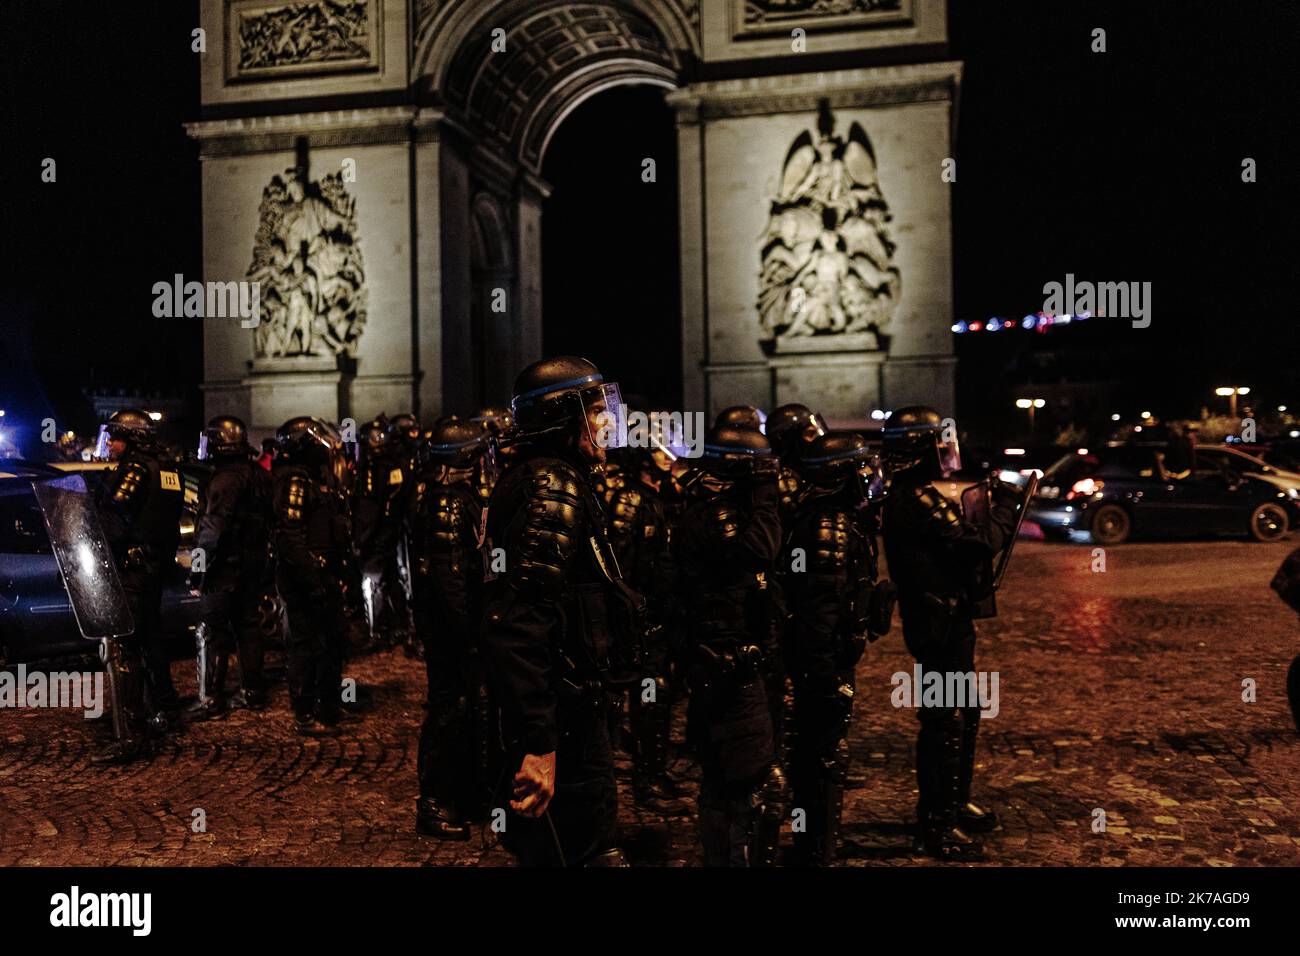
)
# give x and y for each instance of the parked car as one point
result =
(36, 619)
(1118, 491)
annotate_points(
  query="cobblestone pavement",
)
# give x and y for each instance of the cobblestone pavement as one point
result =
(1120, 690)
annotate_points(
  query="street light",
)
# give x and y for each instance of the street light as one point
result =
(1030, 404)
(1231, 392)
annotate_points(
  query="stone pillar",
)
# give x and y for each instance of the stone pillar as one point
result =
(694, 272)
(532, 192)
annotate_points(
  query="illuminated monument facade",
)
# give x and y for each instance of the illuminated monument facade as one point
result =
(375, 166)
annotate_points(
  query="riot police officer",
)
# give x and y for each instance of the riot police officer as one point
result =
(139, 505)
(498, 421)
(233, 537)
(790, 428)
(835, 608)
(937, 558)
(725, 548)
(311, 535)
(741, 416)
(549, 633)
(405, 438)
(1287, 585)
(445, 529)
(379, 512)
(638, 533)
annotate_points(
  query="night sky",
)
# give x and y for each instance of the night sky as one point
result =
(1116, 166)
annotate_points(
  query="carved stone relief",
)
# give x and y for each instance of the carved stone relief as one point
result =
(827, 257)
(307, 260)
(269, 39)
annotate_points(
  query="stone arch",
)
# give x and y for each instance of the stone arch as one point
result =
(558, 53)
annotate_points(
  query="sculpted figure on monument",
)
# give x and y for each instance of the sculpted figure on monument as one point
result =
(827, 259)
(308, 262)
(317, 31)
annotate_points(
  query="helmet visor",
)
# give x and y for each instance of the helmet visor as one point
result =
(949, 455)
(102, 450)
(871, 479)
(815, 428)
(606, 415)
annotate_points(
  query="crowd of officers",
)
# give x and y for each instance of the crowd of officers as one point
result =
(565, 588)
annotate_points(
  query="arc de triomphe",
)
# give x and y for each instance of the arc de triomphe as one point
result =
(374, 165)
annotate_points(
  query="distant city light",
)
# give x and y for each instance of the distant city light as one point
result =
(1114, 417)
(1034, 322)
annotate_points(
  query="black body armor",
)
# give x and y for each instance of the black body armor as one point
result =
(139, 504)
(935, 556)
(233, 536)
(455, 758)
(312, 537)
(725, 550)
(829, 581)
(560, 620)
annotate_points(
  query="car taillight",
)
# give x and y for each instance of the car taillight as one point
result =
(1083, 488)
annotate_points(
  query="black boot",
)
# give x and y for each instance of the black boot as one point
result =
(971, 817)
(247, 699)
(824, 830)
(772, 811)
(652, 788)
(119, 752)
(612, 857)
(309, 725)
(938, 776)
(440, 820)
(975, 819)
(937, 839)
(122, 673)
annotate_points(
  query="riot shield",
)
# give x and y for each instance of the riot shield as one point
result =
(85, 560)
(979, 588)
(1031, 489)
(975, 505)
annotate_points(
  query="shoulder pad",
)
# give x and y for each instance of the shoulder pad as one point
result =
(131, 477)
(626, 511)
(831, 536)
(933, 509)
(295, 498)
(724, 517)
